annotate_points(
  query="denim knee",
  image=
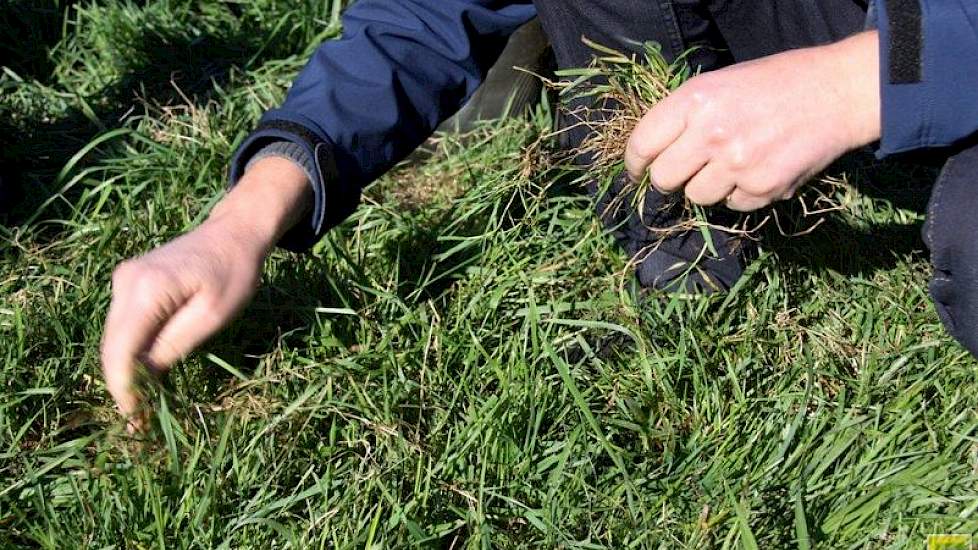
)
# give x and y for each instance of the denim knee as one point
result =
(957, 307)
(951, 234)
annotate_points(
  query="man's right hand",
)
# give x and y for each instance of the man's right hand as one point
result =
(169, 301)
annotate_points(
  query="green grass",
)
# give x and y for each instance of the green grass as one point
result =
(462, 363)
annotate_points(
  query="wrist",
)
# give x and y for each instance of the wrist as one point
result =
(855, 63)
(272, 196)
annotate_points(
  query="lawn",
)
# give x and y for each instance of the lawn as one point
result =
(463, 363)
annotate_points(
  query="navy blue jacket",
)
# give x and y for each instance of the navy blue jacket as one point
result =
(928, 72)
(401, 67)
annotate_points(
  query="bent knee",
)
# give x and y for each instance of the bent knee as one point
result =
(956, 300)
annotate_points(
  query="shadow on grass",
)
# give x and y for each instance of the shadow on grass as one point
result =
(284, 311)
(837, 245)
(171, 67)
(850, 251)
(30, 29)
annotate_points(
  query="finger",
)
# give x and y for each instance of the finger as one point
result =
(797, 184)
(742, 201)
(709, 186)
(135, 316)
(661, 126)
(678, 163)
(187, 329)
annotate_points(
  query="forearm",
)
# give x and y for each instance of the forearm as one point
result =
(365, 101)
(273, 196)
(858, 83)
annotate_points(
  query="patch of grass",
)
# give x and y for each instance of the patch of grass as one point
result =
(468, 370)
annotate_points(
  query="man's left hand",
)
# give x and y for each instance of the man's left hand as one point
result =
(752, 133)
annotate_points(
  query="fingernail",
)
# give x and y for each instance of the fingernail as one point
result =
(656, 185)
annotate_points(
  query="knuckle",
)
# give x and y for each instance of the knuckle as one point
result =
(214, 319)
(753, 188)
(742, 201)
(695, 195)
(698, 88)
(211, 315)
(143, 301)
(212, 306)
(642, 151)
(701, 92)
(739, 206)
(147, 280)
(717, 132)
(738, 156)
(147, 288)
(137, 275)
(660, 179)
(702, 195)
(701, 97)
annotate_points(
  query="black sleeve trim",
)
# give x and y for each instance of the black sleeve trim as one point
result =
(906, 41)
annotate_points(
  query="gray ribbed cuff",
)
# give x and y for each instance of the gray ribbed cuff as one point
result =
(289, 150)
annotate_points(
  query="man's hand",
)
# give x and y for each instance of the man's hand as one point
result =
(752, 133)
(169, 301)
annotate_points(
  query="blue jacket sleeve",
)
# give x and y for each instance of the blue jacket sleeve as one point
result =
(928, 72)
(365, 101)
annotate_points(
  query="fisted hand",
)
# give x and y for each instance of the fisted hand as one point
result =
(166, 303)
(752, 133)
(169, 301)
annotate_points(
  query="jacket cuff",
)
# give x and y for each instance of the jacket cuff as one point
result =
(922, 80)
(288, 150)
(323, 176)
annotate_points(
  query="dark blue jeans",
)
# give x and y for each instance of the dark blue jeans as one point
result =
(950, 233)
(740, 30)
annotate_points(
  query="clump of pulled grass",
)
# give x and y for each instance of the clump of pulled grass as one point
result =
(609, 98)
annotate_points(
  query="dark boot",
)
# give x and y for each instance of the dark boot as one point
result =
(665, 259)
(507, 91)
